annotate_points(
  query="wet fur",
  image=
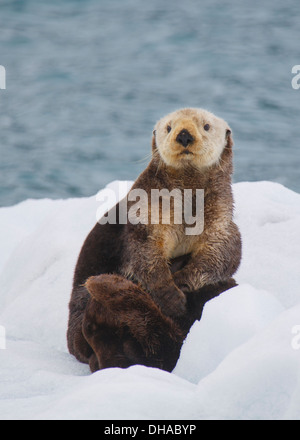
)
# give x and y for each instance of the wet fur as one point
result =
(132, 300)
(117, 324)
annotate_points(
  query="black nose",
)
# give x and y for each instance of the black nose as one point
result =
(184, 138)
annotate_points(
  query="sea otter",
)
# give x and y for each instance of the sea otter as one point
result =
(191, 149)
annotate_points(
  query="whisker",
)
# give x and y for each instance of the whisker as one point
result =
(144, 159)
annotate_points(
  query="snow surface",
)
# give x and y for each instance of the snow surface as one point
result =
(241, 361)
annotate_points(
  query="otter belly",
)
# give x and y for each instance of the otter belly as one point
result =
(177, 243)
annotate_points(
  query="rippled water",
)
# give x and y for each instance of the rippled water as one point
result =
(87, 80)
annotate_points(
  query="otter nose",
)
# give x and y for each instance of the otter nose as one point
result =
(184, 138)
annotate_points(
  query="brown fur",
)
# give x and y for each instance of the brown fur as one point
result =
(122, 325)
(117, 322)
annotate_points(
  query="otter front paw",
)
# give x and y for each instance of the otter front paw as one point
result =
(181, 282)
(171, 301)
(187, 283)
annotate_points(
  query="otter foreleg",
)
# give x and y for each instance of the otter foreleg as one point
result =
(214, 261)
(150, 268)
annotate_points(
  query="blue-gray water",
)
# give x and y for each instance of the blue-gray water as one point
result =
(87, 80)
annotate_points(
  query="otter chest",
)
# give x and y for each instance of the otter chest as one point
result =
(175, 242)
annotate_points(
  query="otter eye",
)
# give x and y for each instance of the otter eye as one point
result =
(206, 127)
(169, 128)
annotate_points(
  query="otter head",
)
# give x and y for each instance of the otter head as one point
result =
(191, 136)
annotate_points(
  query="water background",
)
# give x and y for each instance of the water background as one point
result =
(88, 79)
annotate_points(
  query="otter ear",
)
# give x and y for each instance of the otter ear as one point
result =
(154, 147)
(229, 139)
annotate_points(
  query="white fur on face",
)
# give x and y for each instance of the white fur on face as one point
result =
(207, 147)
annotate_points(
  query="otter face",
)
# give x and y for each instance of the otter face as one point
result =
(192, 136)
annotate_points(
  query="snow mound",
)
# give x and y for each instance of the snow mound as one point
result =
(241, 361)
